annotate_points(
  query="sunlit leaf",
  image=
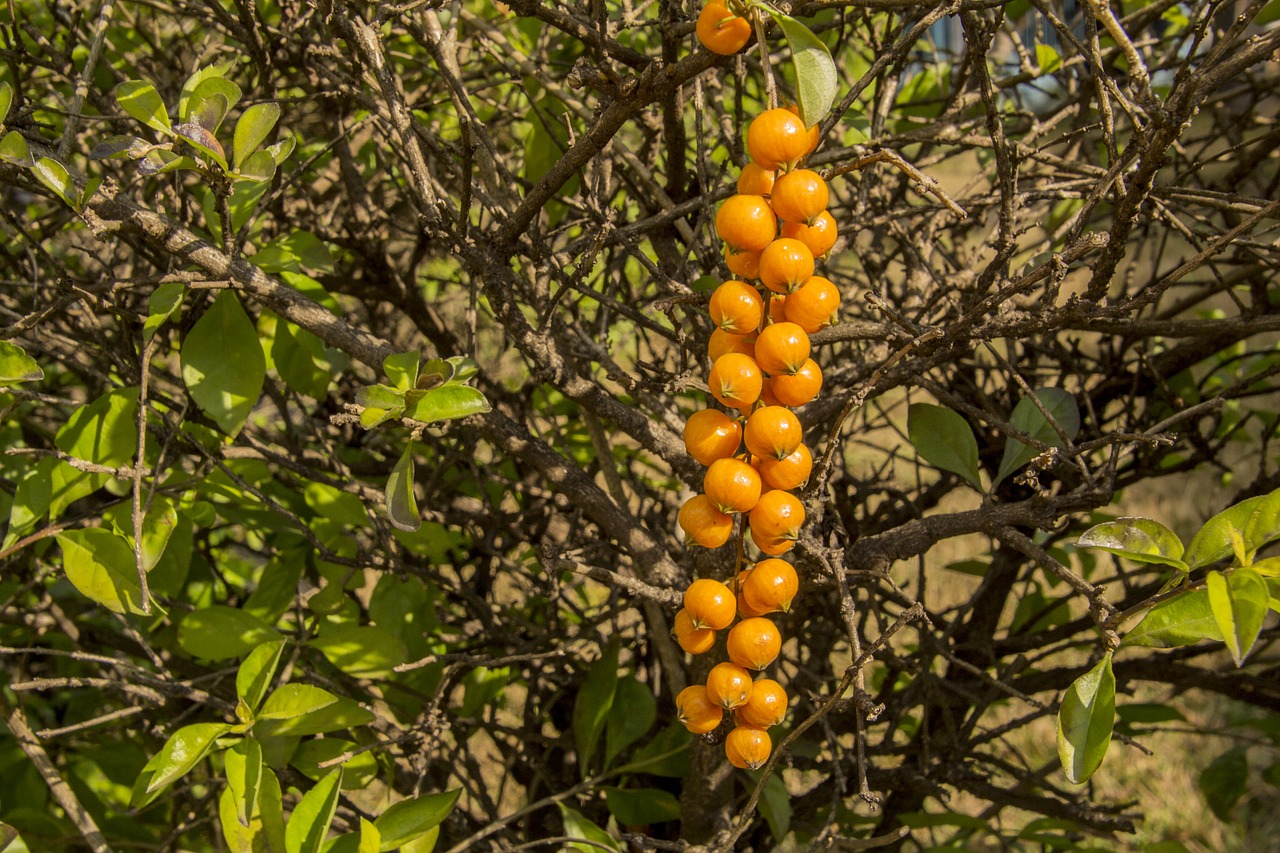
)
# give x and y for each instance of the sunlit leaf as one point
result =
(16, 366)
(1140, 539)
(141, 100)
(223, 364)
(944, 439)
(402, 506)
(1085, 721)
(1239, 604)
(816, 80)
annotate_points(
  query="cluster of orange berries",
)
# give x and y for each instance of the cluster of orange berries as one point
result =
(760, 369)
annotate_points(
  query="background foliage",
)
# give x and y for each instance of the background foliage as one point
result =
(348, 347)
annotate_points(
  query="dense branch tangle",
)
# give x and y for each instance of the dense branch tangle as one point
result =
(533, 187)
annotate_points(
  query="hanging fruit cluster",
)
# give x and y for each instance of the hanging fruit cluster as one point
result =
(773, 230)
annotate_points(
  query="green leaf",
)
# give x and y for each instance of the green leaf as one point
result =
(104, 431)
(141, 100)
(448, 402)
(242, 764)
(666, 755)
(204, 142)
(816, 81)
(310, 820)
(1225, 781)
(1027, 418)
(8, 834)
(358, 770)
(295, 700)
(182, 751)
(219, 632)
(1255, 520)
(54, 175)
(944, 440)
(6, 101)
(631, 716)
(1138, 539)
(1047, 59)
(775, 805)
(252, 129)
(1085, 720)
(641, 806)
(31, 499)
(258, 166)
(410, 819)
(209, 101)
(164, 302)
(271, 811)
(290, 254)
(402, 369)
(256, 673)
(223, 364)
(591, 708)
(13, 149)
(189, 86)
(341, 714)
(16, 366)
(1180, 621)
(361, 651)
(102, 566)
(402, 506)
(303, 361)
(1239, 604)
(576, 825)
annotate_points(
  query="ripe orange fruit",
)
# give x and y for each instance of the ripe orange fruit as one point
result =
(735, 380)
(729, 685)
(732, 485)
(782, 348)
(703, 523)
(767, 396)
(775, 521)
(814, 136)
(721, 31)
(777, 307)
(747, 747)
(744, 610)
(787, 474)
(799, 196)
(710, 435)
(777, 139)
(796, 389)
(710, 604)
(696, 711)
(819, 235)
(746, 222)
(742, 264)
(814, 304)
(766, 707)
(755, 180)
(785, 265)
(691, 638)
(722, 342)
(737, 307)
(772, 585)
(773, 431)
(754, 643)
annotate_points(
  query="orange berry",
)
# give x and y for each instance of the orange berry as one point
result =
(782, 348)
(744, 610)
(710, 435)
(799, 196)
(772, 585)
(732, 485)
(723, 342)
(710, 604)
(787, 474)
(735, 380)
(815, 136)
(814, 304)
(703, 523)
(737, 307)
(742, 264)
(785, 265)
(766, 707)
(777, 139)
(796, 389)
(777, 307)
(819, 235)
(775, 521)
(755, 180)
(747, 747)
(696, 711)
(729, 685)
(691, 638)
(773, 431)
(746, 222)
(754, 643)
(720, 31)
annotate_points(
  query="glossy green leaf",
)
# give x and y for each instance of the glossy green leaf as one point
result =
(164, 303)
(209, 101)
(158, 525)
(641, 806)
(591, 708)
(14, 149)
(361, 651)
(6, 101)
(309, 823)
(16, 366)
(1048, 59)
(633, 713)
(258, 166)
(402, 506)
(365, 840)
(775, 806)
(253, 127)
(1179, 621)
(1138, 539)
(1239, 605)
(204, 142)
(219, 632)
(816, 80)
(944, 440)
(357, 771)
(242, 764)
(1027, 418)
(104, 431)
(410, 819)
(335, 716)
(1085, 721)
(141, 100)
(295, 700)
(257, 671)
(31, 499)
(402, 369)
(303, 361)
(182, 751)
(1225, 781)
(1255, 521)
(448, 402)
(223, 364)
(55, 176)
(102, 566)
(577, 825)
